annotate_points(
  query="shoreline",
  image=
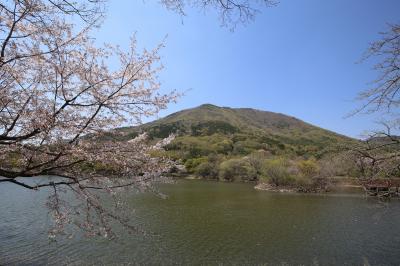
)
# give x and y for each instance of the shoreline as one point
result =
(271, 188)
(333, 187)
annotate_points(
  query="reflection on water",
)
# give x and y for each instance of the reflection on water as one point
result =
(214, 223)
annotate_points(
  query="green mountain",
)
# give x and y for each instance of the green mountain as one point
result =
(209, 129)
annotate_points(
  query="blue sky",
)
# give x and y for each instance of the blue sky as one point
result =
(298, 58)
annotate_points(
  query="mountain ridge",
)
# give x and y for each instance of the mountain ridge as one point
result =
(199, 130)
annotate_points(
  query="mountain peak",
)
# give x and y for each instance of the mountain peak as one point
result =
(207, 105)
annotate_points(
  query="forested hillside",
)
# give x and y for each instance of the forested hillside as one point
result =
(209, 138)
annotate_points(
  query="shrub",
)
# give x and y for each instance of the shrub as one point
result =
(191, 164)
(256, 160)
(237, 170)
(225, 146)
(276, 172)
(308, 168)
(208, 166)
(339, 165)
(207, 170)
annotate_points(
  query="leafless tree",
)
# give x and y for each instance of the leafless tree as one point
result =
(379, 155)
(384, 95)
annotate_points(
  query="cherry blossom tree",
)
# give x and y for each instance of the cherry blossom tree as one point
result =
(57, 92)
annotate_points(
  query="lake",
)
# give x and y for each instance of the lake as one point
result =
(213, 223)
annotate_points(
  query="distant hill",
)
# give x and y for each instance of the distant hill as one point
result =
(209, 129)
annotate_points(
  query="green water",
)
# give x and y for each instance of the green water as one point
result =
(214, 223)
